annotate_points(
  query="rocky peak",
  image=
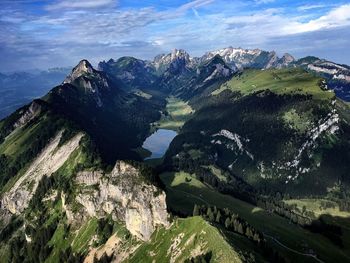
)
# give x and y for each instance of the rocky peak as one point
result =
(179, 54)
(215, 68)
(235, 57)
(84, 67)
(288, 58)
(176, 61)
(285, 61)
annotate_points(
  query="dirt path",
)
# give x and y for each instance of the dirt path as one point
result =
(295, 251)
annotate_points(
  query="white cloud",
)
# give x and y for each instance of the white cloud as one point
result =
(259, 2)
(80, 4)
(337, 17)
(310, 7)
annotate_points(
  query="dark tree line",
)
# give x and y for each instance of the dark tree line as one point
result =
(229, 220)
(235, 186)
(234, 223)
(302, 218)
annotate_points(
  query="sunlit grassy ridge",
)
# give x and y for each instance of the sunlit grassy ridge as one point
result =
(186, 238)
(182, 197)
(279, 81)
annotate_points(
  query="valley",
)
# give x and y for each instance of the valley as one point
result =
(235, 156)
(176, 113)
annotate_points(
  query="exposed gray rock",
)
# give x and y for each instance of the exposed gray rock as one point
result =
(48, 161)
(33, 110)
(123, 194)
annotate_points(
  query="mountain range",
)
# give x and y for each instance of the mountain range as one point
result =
(19, 88)
(258, 170)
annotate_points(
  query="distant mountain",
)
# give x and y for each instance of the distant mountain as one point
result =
(238, 58)
(337, 75)
(131, 72)
(17, 89)
(175, 62)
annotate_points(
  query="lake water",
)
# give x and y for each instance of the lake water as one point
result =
(159, 142)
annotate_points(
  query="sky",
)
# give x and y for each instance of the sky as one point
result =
(43, 33)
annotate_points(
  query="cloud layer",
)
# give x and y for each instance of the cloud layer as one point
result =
(37, 33)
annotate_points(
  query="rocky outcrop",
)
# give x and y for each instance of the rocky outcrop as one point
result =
(33, 110)
(84, 67)
(49, 161)
(115, 247)
(123, 194)
(93, 81)
(176, 62)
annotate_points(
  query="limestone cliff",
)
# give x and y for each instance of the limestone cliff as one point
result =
(123, 194)
(47, 162)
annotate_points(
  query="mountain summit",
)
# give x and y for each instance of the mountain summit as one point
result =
(84, 67)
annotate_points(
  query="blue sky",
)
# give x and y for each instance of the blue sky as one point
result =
(43, 33)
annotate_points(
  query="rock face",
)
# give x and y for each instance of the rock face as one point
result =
(176, 61)
(123, 194)
(94, 82)
(33, 110)
(84, 67)
(239, 58)
(49, 161)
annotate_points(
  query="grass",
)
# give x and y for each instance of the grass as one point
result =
(185, 239)
(300, 122)
(178, 113)
(82, 239)
(181, 178)
(314, 205)
(217, 172)
(16, 142)
(59, 242)
(182, 197)
(279, 81)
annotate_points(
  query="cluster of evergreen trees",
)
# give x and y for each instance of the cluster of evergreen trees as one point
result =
(229, 220)
(234, 186)
(232, 222)
(291, 212)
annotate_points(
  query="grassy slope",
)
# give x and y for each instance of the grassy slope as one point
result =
(314, 206)
(178, 113)
(182, 197)
(279, 81)
(186, 238)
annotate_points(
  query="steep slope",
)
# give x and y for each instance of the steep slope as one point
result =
(209, 75)
(131, 72)
(175, 69)
(112, 117)
(337, 76)
(187, 239)
(275, 129)
(176, 61)
(74, 211)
